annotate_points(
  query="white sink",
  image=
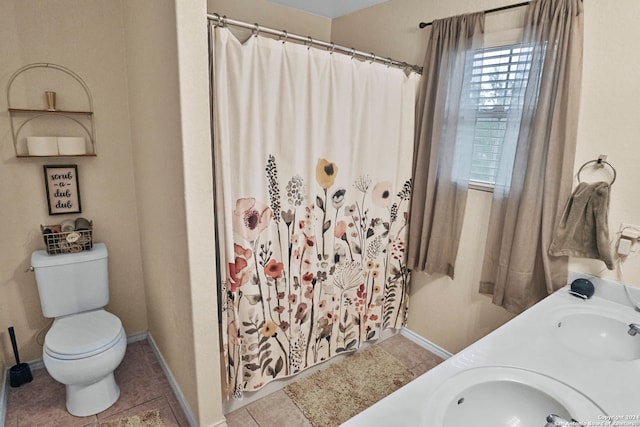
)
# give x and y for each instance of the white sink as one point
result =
(498, 396)
(598, 335)
(564, 356)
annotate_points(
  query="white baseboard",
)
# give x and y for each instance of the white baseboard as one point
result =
(37, 364)
(172, 382)
(4, 387)
(3, 396)
(140, 336)
(422, 342)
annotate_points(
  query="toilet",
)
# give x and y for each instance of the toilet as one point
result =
(85, 343)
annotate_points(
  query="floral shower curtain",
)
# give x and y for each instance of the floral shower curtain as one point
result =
(313, 155)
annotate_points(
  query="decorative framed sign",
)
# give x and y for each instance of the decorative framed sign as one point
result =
(63, 189)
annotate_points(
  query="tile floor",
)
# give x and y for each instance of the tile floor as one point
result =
(144, 386)
(278, 410)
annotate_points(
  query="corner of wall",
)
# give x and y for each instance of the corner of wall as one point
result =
(198, 197)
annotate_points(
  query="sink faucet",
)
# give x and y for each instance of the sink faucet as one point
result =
(634, 328)
(554, 420)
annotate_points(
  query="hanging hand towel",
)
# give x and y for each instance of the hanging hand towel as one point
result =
(583, 230)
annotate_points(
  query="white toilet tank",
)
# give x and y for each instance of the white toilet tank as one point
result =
(72, 283)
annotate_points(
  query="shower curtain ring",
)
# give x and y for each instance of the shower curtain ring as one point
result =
(218, 19)
(353, 53)
(256, 30)
(283, 36)
(373, 57)
(224, 21)
(309, 42)
(389, 62)
(332, 48)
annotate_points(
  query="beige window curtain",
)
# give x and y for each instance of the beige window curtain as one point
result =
(517, 269)
(439, 197)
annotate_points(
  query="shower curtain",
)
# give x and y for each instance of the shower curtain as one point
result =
(312, 159)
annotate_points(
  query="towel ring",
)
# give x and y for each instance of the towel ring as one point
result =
(600, 162)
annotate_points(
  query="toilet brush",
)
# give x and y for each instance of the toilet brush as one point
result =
(20, 373)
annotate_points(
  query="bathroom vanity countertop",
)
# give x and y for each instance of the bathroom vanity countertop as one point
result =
(534, 342)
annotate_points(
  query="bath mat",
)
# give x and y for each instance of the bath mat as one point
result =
(145, 419)
(337, 393)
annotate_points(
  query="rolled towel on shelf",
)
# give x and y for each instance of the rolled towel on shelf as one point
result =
(42, 145)
(68, 225)
(73, 237)
(71, 145)
(83, 224)
(75, 248)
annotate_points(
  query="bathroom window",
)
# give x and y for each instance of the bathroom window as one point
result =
(491, 110)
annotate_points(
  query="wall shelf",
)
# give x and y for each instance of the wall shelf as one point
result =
(63, 112)
(20, 117)
(29, 156)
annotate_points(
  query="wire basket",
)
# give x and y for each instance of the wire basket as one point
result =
(66, 242)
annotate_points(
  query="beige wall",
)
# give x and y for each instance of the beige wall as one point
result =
(155, 120)
(609, 114)
(273, 15)
(451, 313)
(87, 37)
(172, 152)
(149, 124)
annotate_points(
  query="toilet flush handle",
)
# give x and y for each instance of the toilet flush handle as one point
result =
(30, 268)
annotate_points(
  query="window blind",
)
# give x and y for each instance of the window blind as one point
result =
(497, 82)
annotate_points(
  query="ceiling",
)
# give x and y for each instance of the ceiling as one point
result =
(329, 8)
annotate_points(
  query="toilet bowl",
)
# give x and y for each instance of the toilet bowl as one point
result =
(86, 343)
(81, 351)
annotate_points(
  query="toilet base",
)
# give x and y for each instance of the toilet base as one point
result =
(84, 400)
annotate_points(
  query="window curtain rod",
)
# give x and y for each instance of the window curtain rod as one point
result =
(497, 9)
(332, 47)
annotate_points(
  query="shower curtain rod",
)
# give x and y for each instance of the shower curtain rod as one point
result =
(497, 9)
(332, 47)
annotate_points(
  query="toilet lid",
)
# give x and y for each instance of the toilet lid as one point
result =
(82, 335)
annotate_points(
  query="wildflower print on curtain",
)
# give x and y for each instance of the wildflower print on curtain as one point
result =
(317, 275)
(313, 155)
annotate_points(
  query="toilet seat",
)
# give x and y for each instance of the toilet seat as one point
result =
(82, 335)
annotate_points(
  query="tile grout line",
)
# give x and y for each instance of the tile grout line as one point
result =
(38, 364)
(400, 361)
(120, 414)
(144, 336)
(296, 405)
(172, 382)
